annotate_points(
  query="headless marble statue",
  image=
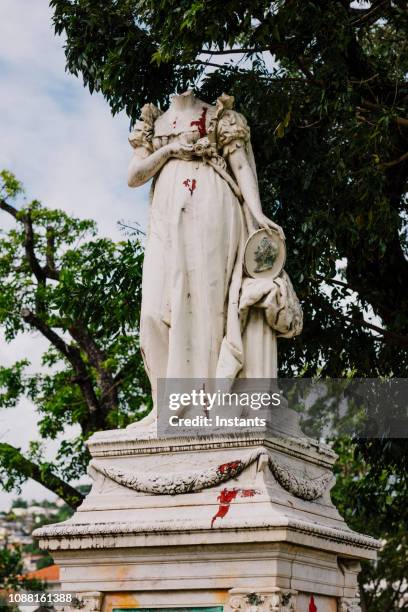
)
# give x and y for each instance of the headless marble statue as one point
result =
(202, 317)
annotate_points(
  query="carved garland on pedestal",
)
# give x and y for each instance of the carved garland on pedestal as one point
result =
(191, 482)
(270, 600)
(176, 484)
(304, 488)
(347, 604)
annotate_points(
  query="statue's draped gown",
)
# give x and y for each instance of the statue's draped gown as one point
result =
(194, 320)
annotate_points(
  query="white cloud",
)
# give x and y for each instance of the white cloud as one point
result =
(61, 141)
(65, 146)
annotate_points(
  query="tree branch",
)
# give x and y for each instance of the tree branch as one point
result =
(372, 106)
(395, 162)
(12, 459)
(8, 208)
(212, 65)
(109, 400)
(245, 71)
(371, 15)
(331, 281)
(273, 49)
(300, 61)
(41, 273)
(71, 353)
(233, 51)
(50, 269)
(29, 249)
(34, 321)
(386, 336)
(81, 335)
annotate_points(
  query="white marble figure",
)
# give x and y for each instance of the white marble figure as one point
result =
(201, 316)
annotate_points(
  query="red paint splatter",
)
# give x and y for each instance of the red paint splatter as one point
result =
(201, 123)
(312, 605)
(248, 492)
(191, 187)
(225, 468)
(226, 497)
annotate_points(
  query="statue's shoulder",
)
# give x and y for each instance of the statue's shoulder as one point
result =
(224, 107)
(229, 125)
(150, 113)
(142, 133)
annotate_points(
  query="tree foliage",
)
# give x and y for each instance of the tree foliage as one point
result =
(12, 577)
(323, 85)
(82, 294)
(372, 497)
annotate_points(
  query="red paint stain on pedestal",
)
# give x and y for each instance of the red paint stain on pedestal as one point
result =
(248, 492)
(226, 468)
(201, 123)
(312, 605)
(226, 497)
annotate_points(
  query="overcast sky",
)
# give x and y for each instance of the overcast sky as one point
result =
(67, 149)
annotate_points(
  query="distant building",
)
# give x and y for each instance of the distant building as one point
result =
(38, 510)
(31, 560)
(50, 575)
(19, 512)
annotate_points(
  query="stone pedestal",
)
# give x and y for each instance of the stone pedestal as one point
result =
(240, 523)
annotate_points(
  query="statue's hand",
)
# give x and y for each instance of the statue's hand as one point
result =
(181, 151)
(265, 223)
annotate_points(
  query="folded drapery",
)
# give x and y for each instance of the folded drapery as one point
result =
(279, 301)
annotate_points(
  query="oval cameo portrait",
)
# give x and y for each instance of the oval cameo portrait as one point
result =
(265, 254)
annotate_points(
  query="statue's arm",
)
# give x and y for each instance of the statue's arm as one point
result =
(144, 165)
(248, 184)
